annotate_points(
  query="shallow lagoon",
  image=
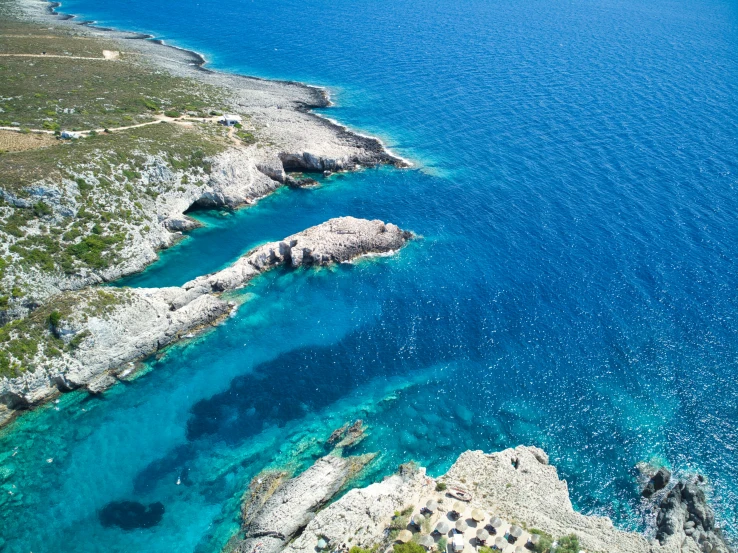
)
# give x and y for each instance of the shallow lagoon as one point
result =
(574, 287)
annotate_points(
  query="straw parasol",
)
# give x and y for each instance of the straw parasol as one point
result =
(458, 507)
(520, 549)
(534, 538)
(500, 542)
(405, 536)
(477, 515)
(496, 522)
(431, 505)
(322, 544)
(443, 527)
(482, 534)
(427, 542)
(461, 525)
(515, 531)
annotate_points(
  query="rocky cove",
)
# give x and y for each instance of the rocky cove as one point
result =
(187, 161)
(142, 320)
(94, 333)
(518, 485)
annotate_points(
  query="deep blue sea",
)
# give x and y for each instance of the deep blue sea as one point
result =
(575, 287)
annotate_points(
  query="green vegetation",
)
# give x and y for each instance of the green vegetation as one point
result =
(409, 547)
(245, 137)
(400, 521)
(442, 544)
(55, 93)
(545, 543)
(568, 544)
(24, 341)
(109, 199)
(357, 549)
(440, 486)
(69, 206)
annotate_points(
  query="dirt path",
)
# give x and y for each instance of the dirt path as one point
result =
(184, 121)
(54, 56)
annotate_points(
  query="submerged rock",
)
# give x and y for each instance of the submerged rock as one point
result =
(348, 435)
(130, 515)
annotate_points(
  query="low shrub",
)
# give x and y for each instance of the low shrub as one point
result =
(409, 547)
(568, 544)
(544, 544)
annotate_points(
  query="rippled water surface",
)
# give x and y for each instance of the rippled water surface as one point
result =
(574, 287)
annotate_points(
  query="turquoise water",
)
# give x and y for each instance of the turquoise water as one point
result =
(575, 286)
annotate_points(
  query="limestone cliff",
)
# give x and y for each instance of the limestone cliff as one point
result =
(517, 485)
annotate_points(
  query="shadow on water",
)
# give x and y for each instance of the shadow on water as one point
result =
(291, 386)
(130, 515)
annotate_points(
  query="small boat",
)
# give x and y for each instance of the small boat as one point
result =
(459, 493)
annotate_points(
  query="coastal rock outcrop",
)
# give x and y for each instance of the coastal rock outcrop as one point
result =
(292, 504)
(361, 517)
(106, 330)
(517, 485)
(657, 482)
(686, 520)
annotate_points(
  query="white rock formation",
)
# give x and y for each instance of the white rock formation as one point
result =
(143, 320)
(516, 484)
(295, 502)
(364, 514)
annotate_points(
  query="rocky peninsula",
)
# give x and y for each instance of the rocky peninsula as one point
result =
(147, 141)
(514, 487)
(138, 322)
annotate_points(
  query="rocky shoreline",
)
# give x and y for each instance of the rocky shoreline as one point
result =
(249, 92)
(100, 333)
(518, 485)
(144, 320)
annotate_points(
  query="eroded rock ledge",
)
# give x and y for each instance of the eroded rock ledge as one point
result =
(515, 484)
(134, 323)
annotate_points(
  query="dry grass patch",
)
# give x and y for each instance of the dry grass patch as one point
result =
(11, 141)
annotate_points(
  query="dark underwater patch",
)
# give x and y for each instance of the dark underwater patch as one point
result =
(130, 515)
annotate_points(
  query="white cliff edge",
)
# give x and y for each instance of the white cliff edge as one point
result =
(518, 485)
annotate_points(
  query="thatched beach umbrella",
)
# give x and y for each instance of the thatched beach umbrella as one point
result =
(431, 505)
(477, 515)
(458, 507)
(496, 522)
(534, 539)
(405, 536)
(515, 531)
(461, 525)
(443, 527)
(427, 542)
(482, 535)
(500, 542)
